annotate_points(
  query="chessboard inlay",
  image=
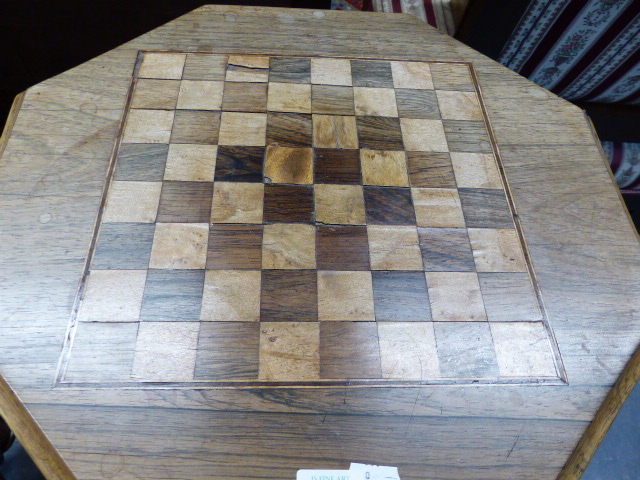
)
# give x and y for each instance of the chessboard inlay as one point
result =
(291, 221)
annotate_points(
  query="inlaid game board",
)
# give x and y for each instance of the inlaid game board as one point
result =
(275, 221)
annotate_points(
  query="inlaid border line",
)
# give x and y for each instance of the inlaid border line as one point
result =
(82, 283)
(557, 357)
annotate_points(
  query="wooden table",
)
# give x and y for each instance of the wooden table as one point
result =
(258, 240)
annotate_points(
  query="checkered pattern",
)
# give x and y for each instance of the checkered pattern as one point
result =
(306, 220)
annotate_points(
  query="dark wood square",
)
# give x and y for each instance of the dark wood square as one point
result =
(332, 100)
(349, 350)
(289, 129)
(289, 295)
(509, 297)
(172, 296)
(124, 246)
(334, 165)
(244, 97)
(485, 208)
(228, 350)
(288, 204)
(102, 351)
(465, 350)
(451, 76)
(379, 133)
(371, 73)
(467, 136)
(290, 70)
(195, 126)
(431, 170)
(342, 248)
(446, 250)
(234, 247)
(413, 103)
(204, 66)
(185, 202)
(400, 296)
(141, 162)
(155, 94)
(389, 206)
(239, 164)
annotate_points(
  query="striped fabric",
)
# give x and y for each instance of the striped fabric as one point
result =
(587, 50)
(436, 13)
(625, 164)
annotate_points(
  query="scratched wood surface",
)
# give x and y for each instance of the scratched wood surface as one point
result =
(52, 175)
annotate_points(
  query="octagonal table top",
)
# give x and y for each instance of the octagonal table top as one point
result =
(259, 240)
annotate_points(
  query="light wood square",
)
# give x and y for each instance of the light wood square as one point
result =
(437, 207)
(289, 165)
(411, 75)
(248, 129)
(523, 349)
(497, 250)
(475, 170)
(134, 202)
(200, 95)
(324, 131)
(166, 351)
(380, 102)
(331, 71)
(235, 74)
(455, 297)
(231, 296)
(394, 248)
(249, 61)
(289, 246)
(345, 296)
(459, 105)
(237, 202)
(113, 296)
(148, 126)
(339, 204)
(384, 168)
(289, 97)
(408, 350)
(180, 246)
(162, 65)
(422, 135)
(247, 68)
(190, 162)
(289, 351)
(331, 131)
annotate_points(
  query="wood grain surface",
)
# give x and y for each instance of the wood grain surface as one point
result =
(579, 240)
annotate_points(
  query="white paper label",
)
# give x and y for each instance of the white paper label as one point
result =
(357, 471)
